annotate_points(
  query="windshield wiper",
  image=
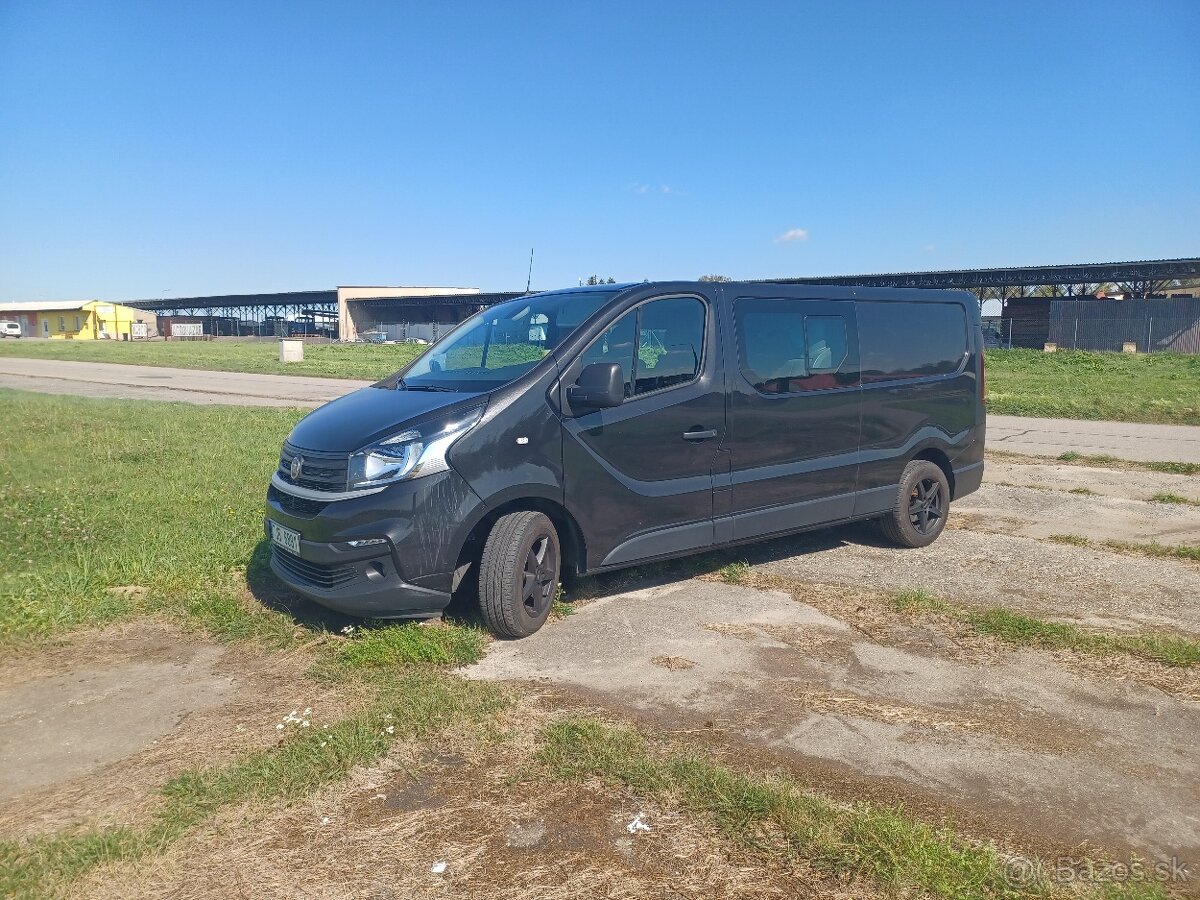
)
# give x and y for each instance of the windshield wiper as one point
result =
(429, 387)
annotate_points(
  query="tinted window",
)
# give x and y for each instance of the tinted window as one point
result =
(782, 350)
(670, 343)
(910, 340)
(616, 346)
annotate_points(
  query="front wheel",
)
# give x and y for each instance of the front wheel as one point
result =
(518, 573)
(922, 504)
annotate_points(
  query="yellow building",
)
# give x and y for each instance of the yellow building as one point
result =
(85, 320)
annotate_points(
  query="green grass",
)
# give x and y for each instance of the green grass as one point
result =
(1075, 540)
(118, 509)
(1163, 551)
(163, 498)
(396, 646)
(1018, 629)
(367, 361)
(1158, 387)
(777, 816)
(735, 572)
(1087, 492)
(1015, 628)
(1168, 497)
(1152, 548)
(909, 601)
(1106, 459)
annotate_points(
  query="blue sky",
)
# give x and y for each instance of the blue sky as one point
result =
(173, 149)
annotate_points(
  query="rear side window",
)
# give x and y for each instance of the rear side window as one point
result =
(784, 351)
(910, 340)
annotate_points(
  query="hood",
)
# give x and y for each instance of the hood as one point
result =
(363, 417)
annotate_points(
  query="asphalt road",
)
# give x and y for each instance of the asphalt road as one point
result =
(86, 379)
(1039, 437)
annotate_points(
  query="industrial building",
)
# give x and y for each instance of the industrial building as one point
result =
(347, 313)
(81, 320)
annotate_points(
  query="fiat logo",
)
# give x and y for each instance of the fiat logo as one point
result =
(297, 467)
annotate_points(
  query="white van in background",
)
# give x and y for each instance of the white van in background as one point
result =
(10, 329)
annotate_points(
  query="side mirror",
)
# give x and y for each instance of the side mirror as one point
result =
(599, 386)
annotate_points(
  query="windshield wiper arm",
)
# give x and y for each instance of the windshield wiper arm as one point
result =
(429, 387)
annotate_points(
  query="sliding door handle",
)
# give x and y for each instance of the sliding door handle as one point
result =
(698, 435)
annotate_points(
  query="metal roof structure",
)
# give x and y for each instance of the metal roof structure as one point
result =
(44, 305)
(190, 305)
(1143, 277)
(440, 299)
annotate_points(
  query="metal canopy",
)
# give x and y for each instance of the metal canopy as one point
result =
(1144, 276)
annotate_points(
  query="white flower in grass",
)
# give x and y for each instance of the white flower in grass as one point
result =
(391, 729)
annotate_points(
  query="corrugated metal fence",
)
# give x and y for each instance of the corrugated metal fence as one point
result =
(1090, 324)
(1153, 325)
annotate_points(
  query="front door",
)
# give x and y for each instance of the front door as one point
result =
(793, 416)
(638, 478)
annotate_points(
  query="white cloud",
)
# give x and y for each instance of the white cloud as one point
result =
(929, 248)
(792, 235)
(651, 189)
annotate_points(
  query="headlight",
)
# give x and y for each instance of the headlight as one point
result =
(411, 453)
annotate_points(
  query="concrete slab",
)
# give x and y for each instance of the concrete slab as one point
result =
(1019, 739)
(1125, 440)
(58, 728)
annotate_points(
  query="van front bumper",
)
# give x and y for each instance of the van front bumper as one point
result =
(368, 586)
(405, 568)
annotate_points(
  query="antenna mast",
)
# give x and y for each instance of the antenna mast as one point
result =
(529, 279)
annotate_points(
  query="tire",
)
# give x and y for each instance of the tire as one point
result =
(922, 505)
(518, 574)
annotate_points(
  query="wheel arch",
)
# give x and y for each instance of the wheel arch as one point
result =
(570, 535)
(939, 458)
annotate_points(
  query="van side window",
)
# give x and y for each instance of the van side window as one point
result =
(910, 340)
(670, 343)
(783, 351)
(616, 346)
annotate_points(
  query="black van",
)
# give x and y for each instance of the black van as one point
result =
(593, 428)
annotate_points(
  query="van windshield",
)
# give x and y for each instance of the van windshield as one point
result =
(500, 343)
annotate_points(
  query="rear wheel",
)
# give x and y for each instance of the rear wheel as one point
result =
(922, 504)
(518, 573)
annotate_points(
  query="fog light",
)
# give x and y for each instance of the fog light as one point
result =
(374, 571)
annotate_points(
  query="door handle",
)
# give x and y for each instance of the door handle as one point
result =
(698, 435)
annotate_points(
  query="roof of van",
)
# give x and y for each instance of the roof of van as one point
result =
(791, 289)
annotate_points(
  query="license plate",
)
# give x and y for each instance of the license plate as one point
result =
(284, 537)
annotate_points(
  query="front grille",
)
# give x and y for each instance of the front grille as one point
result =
(296, 506)
(312, 573)
(320, 472)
